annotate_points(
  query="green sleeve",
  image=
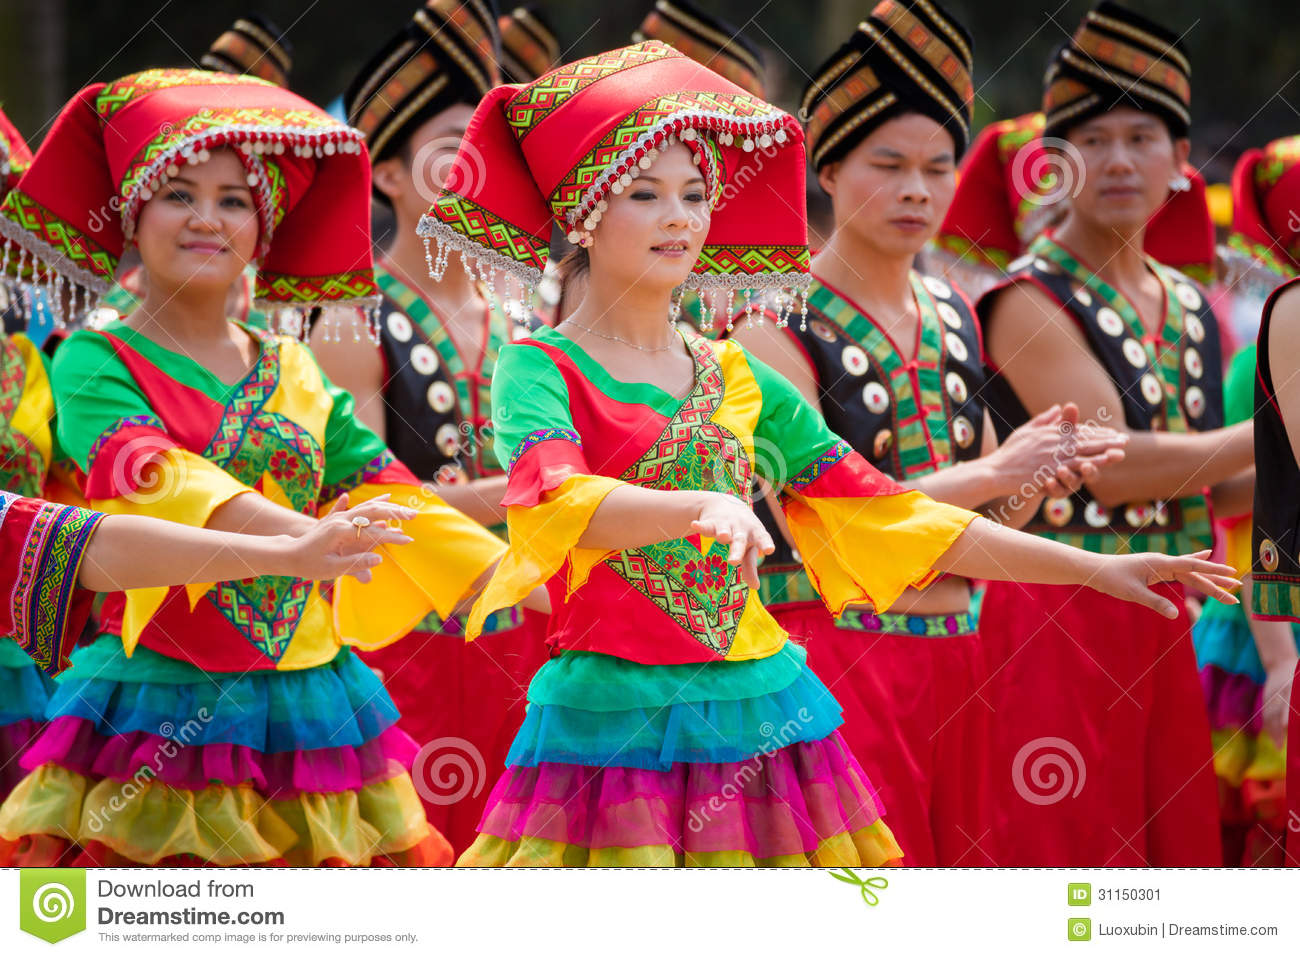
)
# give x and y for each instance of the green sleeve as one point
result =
(529, 400)
(94, 394)
(1239, 387)
(791, 433)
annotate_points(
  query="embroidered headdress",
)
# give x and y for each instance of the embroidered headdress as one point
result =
(554, 150)
(446, 54)
(1118, 58)
(115, 144)
(529, 46)
(705, 39)
(253, 45)
(907, 56)
(1266, 206)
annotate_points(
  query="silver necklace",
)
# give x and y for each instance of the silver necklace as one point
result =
(633, 345)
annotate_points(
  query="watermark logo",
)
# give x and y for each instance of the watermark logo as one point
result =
(448, 770)
(1048, 176)
(1079, 928)
(1048, 770)
(52, 902)
(867, 886)
(434, 162)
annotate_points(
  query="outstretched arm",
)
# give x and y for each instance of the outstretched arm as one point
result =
(132, 551)
(991, 551)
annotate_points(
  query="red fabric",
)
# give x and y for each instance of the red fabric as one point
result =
(1107, 694)
(205, 624)
(914, 720)
(1270, 219)
(474, 691)
(1293, 776)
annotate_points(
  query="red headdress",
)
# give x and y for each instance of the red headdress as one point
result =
(114, 144)
(552, 151)
(1010, 190)
(1266, 206)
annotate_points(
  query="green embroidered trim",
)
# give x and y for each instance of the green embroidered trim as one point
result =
(1275, 596)
(901, 623)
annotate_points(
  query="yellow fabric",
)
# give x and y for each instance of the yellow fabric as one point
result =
(758, 635)
(36, 405)
(1240, 756)
(1237, 550)
(743, 407)
(869, 550)
(301, 396)
(181, 487)
(541, 537)
(147, 821)
(873, 846)
(434, 573)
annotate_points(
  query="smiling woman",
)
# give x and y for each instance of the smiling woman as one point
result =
(178, 413)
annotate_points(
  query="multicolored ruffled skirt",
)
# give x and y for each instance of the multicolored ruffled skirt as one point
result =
(1250, 766)
(718, 764)
(24, 693)
(150, 760)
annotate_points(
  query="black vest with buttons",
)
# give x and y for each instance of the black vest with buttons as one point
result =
(1275, 571)
(437, 412)
(1173, 382)
(908, 418)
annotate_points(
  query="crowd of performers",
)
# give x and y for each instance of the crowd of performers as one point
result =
(712, 548)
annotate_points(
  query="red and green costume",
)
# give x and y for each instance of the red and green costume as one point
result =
(281, 745)
(670, 678)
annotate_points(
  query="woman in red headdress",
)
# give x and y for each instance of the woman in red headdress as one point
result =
(676, 724)
(224, 723)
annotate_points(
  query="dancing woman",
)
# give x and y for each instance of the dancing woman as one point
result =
(178, 413)
(677, 724)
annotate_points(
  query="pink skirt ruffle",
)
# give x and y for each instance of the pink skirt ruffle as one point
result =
(783, 803)
(73, 743)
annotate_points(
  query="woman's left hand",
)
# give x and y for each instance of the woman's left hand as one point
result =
(1130, 577)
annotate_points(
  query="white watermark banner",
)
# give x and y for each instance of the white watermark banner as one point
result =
(650, 912)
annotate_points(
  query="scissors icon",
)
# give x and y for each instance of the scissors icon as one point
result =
(864, 884)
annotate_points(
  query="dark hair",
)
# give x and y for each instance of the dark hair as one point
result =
(575, 263)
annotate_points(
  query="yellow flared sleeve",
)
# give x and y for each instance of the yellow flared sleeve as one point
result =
(869, 550)
(176, 486)
(435, 573)
(542, 536)
(31, 417)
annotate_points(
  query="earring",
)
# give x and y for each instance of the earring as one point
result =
(1180, 183)
(580, 238)
(675, 310)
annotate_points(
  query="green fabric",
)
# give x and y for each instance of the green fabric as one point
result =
(596, 682)
(350, 444)
(528, 372)
(634, 393)
(1239, 386)
(791, 433)
(93, 391)
(11, 656)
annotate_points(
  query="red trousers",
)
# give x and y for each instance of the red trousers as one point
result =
(463, 703)
(1100, 752)
(913, 719)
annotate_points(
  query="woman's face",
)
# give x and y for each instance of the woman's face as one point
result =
(201, 228)
(893, 189)
(1128, 160)
(653, 231)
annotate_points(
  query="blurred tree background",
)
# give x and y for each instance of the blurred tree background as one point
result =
(1245, 84)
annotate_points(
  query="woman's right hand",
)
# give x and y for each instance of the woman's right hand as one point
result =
(727, 519)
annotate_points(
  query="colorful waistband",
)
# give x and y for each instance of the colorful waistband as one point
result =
(785, 585)
(901, 623)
